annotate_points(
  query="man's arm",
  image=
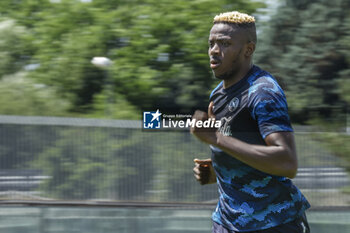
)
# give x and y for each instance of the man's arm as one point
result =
(278, 157)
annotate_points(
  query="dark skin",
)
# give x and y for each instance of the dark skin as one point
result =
(230, 53)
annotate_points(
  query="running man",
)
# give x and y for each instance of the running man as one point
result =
(253, 152)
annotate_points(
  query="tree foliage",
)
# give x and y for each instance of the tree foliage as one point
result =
(305, 46)
(158, 48)
(20, 95)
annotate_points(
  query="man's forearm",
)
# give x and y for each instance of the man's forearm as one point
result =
(278, 159)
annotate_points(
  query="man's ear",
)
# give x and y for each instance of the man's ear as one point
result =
(250, 48)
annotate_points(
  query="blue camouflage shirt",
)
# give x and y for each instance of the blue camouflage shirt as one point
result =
(251, 199)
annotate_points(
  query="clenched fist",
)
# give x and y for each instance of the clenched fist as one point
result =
(204, 171)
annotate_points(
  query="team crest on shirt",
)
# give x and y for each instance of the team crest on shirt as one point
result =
(233, 105)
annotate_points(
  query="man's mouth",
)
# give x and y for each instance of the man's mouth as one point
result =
(214, 64)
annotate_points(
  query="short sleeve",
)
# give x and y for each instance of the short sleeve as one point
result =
(269, 106)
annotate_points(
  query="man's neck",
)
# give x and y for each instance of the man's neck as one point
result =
(238, 76)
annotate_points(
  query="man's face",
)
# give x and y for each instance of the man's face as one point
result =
(226, 49)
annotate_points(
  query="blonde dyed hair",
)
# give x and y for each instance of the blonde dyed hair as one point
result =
(234, 17)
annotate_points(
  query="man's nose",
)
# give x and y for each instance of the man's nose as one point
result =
(214, 50)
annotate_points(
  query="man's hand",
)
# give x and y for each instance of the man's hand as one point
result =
(204, 171)
(207, 135)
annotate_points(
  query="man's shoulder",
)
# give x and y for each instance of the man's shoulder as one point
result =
(263, 83)
(219, 86)
(260, 77)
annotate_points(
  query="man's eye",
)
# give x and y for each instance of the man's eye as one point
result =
(211, 44)
(225, 43)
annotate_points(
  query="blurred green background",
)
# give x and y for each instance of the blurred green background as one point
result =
(65, 130)
(159, 54)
